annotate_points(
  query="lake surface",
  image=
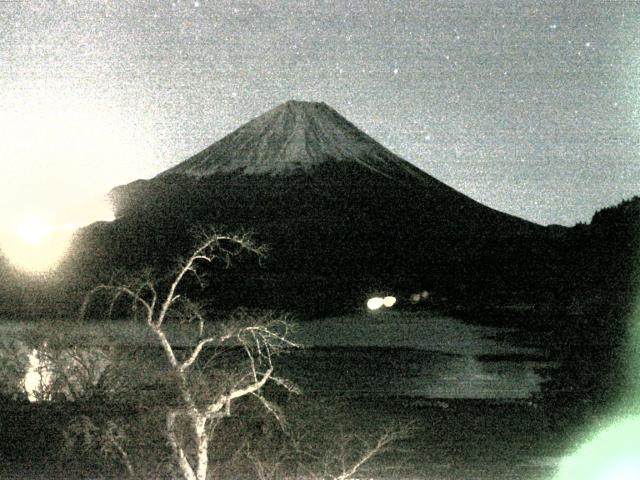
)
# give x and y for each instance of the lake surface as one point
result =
(428, 370)
(389, 353)
(391, 372)
(418, 330)
(412, 354)
(405, 366)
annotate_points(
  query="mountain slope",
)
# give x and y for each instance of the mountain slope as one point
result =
(314, 141)
(343, 217)
(293, 138)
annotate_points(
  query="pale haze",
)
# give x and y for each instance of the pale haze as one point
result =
(531, 108)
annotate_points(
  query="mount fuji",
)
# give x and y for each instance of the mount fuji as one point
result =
(343, 217)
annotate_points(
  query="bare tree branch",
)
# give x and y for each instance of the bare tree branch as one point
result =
(225, 400)
(195, 352)
(272, 409)
(366, 456)
(117, 291)
(259, 338)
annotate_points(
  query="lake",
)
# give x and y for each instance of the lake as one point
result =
(412, 354)
(463, 387)
(383, 353)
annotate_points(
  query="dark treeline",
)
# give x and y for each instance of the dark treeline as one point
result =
(601, 288)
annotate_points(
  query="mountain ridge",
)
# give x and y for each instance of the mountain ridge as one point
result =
(341, 214)
(293, 138)
(302, 138)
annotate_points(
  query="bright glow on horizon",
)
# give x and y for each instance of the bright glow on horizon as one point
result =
(36, 244)
(33, 230)
(35, 252)
(61, 152)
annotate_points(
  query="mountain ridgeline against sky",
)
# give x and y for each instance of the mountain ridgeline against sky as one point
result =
(311, 140)
(343, 217)
(293, 138)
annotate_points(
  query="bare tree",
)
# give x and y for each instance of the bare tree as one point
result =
(352, 452)
(202, 399)
(321, 444)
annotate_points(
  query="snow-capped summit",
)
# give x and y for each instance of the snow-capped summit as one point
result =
(293, 138)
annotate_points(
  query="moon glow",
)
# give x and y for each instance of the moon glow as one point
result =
(61, 154)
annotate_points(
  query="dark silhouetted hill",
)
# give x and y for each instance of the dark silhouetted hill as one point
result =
(601, 288)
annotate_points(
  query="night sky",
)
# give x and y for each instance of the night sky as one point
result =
(531, 108)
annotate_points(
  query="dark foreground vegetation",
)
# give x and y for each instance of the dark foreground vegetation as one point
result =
(205, 401)
(578, 302)
(452, 440)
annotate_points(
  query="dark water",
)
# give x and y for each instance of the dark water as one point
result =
(467, 389)
(416, 355)
(405, 372)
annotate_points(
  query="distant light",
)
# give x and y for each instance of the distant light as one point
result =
(389, 301)
(375, 303)
(419, 296)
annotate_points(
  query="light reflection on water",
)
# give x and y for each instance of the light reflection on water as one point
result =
(62, 373)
